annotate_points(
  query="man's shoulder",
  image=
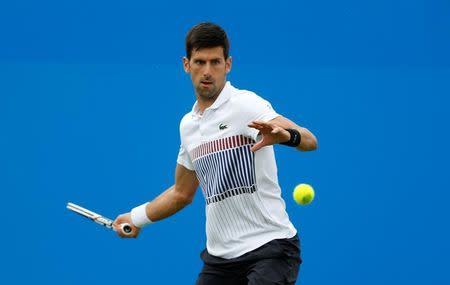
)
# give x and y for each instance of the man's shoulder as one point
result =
(250, 106)
(247, 99)
(186, 118)
(245, 96)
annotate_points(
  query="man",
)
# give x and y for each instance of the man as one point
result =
(226, 148)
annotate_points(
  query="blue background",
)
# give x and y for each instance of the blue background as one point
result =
(91, 94)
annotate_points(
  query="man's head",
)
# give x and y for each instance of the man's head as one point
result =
(207, 59)
(206, 35)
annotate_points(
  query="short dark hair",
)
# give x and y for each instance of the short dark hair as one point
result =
(206, 35)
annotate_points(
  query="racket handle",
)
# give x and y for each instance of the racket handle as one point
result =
(126, 228)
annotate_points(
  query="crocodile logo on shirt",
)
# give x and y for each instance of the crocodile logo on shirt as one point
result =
(222, 127)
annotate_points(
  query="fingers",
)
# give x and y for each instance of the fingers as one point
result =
(271, 134)
(120, 221)
(256, 147)
(253, 125)
(260, 125)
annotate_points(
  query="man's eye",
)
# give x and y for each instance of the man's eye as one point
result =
(216, 61)
(199, 62)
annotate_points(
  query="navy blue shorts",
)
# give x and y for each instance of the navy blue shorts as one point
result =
(276, 262)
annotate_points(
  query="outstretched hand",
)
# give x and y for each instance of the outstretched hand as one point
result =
(271, 134)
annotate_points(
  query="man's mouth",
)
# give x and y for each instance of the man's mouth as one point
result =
(206, 83)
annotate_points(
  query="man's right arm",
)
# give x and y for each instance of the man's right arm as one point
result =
(176, 197)
(167, 203)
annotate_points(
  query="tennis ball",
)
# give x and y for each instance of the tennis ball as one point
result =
(303, 194)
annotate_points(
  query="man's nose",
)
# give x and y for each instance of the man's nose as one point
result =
(207, 70)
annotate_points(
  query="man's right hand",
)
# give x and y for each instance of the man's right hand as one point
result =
(122, 219)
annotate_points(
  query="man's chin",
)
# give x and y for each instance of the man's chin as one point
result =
(206, 94)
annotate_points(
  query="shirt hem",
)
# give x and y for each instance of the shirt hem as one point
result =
(291, 232)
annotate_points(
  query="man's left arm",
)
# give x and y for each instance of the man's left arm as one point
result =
(275, 132)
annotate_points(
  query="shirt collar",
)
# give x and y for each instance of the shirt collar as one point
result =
(223, 97)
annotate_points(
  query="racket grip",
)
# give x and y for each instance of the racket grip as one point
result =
(126, 228)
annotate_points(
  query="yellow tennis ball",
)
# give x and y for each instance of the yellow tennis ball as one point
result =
(303, 194)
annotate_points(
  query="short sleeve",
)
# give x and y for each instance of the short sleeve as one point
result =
(259, 110)
(184, 159)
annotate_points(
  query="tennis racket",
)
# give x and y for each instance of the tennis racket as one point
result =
(99, 219)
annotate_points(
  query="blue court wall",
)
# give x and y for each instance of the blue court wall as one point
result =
(91, 95)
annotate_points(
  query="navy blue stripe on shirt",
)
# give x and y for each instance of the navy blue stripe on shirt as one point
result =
(225, 168)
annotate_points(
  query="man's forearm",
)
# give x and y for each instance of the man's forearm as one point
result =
(166, 204)
(308, 141)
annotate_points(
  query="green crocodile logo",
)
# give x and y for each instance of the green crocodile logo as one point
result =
(222, 127)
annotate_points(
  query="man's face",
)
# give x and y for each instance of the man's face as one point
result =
(208, 69)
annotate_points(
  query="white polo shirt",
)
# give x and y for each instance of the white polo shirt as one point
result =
(244, 208)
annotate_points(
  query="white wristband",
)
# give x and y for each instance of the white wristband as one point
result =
(139, 216)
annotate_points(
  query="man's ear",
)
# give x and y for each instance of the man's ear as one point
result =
(186, 65)
(228, 63)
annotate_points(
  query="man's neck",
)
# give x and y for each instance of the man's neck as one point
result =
(204, 103)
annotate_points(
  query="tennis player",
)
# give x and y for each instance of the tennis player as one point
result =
(226, 148)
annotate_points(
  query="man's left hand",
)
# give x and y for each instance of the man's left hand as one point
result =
(271, 134)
